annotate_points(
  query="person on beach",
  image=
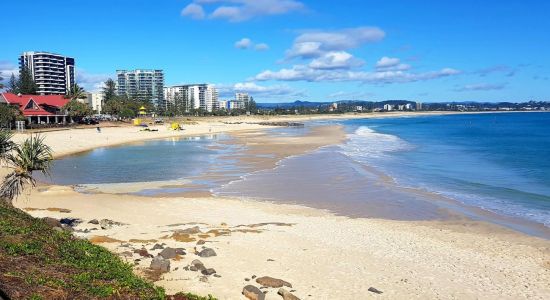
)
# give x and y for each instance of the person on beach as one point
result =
(98, 129)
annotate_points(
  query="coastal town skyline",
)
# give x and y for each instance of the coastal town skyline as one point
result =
(281, 51)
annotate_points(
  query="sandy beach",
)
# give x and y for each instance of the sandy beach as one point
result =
(322, 255)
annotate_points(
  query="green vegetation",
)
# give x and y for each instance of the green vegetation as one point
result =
(32, 155)
(77, 110)
(25, 85)
(37, 260)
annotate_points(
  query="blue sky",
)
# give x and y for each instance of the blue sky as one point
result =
(286, 50)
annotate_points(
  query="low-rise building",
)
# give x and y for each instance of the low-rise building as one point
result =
(38, 109)
(95, 101)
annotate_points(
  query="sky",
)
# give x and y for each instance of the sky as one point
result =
(287, 50)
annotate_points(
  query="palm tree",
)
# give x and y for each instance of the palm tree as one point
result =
(32, 155)
(77, 93)
(6, 144)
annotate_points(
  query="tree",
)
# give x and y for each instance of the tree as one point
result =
(8, 115)
(13, 85)
(26, 84)
(113, 106)
(76, 93)
(77, 110)
(23, 160)
(1, 79)
(6, 144)
(109, 90)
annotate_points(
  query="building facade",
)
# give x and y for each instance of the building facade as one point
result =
(53, 74)
(143, 85)
(38, 109)
(187, 97)
(95, 101)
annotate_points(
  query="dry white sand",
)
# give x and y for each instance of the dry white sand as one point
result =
(322, 255)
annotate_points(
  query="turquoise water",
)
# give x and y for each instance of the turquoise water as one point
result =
(499, 162)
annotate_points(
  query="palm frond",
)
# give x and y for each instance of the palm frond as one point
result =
(6, 144)
(13, 185)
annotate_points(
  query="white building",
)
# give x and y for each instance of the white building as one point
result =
(95, 101)
(192, 96)
(144, 84)
(234, 104)
(53, 74)
(388, 107)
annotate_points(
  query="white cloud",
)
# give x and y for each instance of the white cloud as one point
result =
(246, 43)
(91, 82)
(391, 64)
(7, 68)
(241, 10)
(315, 43)
(256, 90)
(482, 87)
(261, 47)
(335, 60)
(243, 43)
(306, 73)
(194, 11)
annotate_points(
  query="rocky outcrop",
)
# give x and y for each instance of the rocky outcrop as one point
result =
(207, 252)
(253, 293)
(287, 295)
(160, 264)
(272, 282)
(108, 224)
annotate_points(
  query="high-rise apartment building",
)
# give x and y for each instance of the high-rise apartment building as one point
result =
(143, 85)
(192, 96)
(53, 74)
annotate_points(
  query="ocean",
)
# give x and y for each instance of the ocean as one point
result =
(493, 167)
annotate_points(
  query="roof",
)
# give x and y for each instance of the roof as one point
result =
(36, 105)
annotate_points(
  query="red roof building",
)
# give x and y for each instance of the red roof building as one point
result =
(38, 108)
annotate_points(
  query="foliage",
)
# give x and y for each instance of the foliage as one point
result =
(12, 86)
(109, 90)
(26, 84)
(36, 260)
(1, 79)
(6, 144)
(23, 159)
(76, 93)
(8, 114)
(76, 109)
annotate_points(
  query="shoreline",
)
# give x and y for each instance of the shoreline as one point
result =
(322, 254)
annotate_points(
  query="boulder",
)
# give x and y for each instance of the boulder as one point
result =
(71, 222)
(287, 295)
(192, 230)
(201, 242)
(374, 290)
(160, 264)
(272, 282)
(108, 224)
(157, 247)
(180, 251)
(208, 252)
(52, 222)
(168, 253)
(208, 271)
(94, 221)
(253, 293)
(196, 265)
(143, 253)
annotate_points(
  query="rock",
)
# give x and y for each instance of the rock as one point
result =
(168, 253)
(180, 251)
(94, 221)
(197, 265)
(71, 222)
(287, 295)
(192, 230)
(208, 252)
(269, 259)
(208, 271)
(273, 282)
(127, 254)
(203, 279)
(217, 275)
(143, 253)
(201, 242)
(108, 224)
(247, 279)
(160, 264)
(52, 222)
(157, 247)
(253, 293)
(374, 290)
(253, 276)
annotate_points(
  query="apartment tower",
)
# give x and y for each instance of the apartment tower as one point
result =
(53, 74)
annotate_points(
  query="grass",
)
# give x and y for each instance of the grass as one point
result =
(37, 262)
